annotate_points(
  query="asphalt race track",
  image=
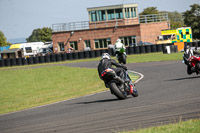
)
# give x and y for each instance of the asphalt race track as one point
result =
(166, 95)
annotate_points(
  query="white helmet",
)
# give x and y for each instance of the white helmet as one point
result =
(119, 40)
(105, 56)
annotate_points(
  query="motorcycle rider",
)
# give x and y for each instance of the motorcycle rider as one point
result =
(106, 62)
(187, 54)
(119, 47)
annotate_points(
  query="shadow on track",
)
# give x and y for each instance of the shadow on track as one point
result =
(99, 101)
(186, 78)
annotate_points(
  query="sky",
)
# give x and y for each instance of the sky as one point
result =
(18, 18)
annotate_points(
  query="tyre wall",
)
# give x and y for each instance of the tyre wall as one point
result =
(91, 54)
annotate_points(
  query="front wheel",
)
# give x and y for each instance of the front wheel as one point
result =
(124, 59)
(115, 90)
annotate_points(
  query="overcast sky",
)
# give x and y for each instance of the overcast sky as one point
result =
(18, 18)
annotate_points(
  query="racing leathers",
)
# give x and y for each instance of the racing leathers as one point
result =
(108, 63)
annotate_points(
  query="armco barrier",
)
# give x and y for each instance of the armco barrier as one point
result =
(142, 49)
(80, 55)
(30, 60)
(64, 56)
(75, 55)
(13, 62)
(131, 50)
(127, 51)
(102, 51)
(147, 49)
(111, 52)
(159, 47)
(58, 57)
(2, 64)
(97, 53)
(24, 61)
(41, 59)
(69, 56)
(153, 48)
(53, 58)
(19, 61)
(86, 54)
(36, 60)
(136, 50)
(92, 54)
(47, 59)
(7, 62)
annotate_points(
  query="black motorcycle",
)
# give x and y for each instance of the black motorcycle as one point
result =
(121, 58)
(120, 86)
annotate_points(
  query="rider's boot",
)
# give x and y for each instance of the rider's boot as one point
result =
(133, 90)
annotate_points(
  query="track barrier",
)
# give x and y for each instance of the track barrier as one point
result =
(165, 48)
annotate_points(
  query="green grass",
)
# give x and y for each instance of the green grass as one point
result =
(190, 126)
(154, 57)
(27, 88)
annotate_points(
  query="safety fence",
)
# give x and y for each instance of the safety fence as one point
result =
(89, 54)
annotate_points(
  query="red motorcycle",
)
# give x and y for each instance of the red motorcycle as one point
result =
(193, 64)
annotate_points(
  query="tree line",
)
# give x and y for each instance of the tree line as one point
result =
(189, 18)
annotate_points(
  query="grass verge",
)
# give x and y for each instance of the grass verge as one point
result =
(190, 126)
(26, 88)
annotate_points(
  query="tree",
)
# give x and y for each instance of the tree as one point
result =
(192, 19)
(3, 41)
(175, 18)
(43, 35)
(149, 10)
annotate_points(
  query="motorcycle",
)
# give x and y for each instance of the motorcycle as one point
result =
(121, 56)
(193, 64)
(120, 86)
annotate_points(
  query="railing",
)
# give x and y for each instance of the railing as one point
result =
(82, 25)
(153, 18)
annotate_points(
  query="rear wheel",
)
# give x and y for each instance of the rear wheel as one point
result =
(114, 88)
(198, 67)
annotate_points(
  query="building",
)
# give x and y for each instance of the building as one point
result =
(106, 24)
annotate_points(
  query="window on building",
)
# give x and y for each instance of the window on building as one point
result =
(111, 14)
(119, 14)
(93, 16)
(132, 12)
(128, 40)
(61, 46)
(87, 43)
(127, 14)
(102, 43)
(74, 45)
(101, 15)
(135, 15)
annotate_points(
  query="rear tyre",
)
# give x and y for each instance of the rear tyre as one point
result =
(117, 92)
(198, 67)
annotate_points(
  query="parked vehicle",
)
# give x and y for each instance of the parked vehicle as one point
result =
(120, 86)
(183, 34)
(29, 49)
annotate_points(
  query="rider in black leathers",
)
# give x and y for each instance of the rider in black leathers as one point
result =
(106, 62)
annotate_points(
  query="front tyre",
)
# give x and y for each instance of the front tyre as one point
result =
(124, 59)
(115, 90)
